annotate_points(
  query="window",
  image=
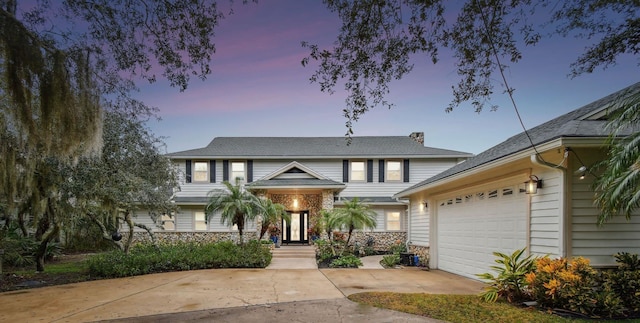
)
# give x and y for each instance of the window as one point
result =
(394, 170)
(201, 171)
(199, 223)
(393, 221)
(168, 223)
(237, 172)
(357, 171)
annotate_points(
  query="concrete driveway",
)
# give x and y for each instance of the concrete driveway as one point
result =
(229, 295)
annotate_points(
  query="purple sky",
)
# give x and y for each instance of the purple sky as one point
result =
(259, 88)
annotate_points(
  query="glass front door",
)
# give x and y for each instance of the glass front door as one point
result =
(295, 231)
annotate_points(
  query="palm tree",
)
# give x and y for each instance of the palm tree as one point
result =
(354, 216)
(327, 218)
(236, 206)
(271, 213)
(618, 187)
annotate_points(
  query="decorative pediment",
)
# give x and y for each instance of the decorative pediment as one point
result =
(294, 170)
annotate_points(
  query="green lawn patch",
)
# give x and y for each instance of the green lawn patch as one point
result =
(458, 308)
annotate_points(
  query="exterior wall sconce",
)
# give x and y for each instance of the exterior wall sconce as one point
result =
(295, 203)
(582, 171)
(533, 184)
(425, 204)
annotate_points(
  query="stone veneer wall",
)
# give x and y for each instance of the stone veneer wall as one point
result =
(200, 236)
(382, 241)
(311, 202)
(422, 252)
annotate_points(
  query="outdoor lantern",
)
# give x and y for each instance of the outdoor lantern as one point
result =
(425, 204)
(533, 184)
(582, 171)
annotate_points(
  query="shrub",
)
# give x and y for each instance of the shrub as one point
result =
(389, 261)
(510, 283)
(625, 282)
(398, 247)
(147, 258)
(573, 285)
(347, 261)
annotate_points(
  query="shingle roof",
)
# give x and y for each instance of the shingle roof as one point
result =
(572, 124)
(271, 147)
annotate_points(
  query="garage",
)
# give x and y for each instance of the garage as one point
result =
(475, 223)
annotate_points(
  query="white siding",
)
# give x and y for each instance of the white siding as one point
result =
(599, 244)
(419, 231)
(141, 217)
(381, 217)
(546, 224)
(419, 170)
(185, 221)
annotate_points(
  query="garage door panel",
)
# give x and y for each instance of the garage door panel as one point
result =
(469, 232)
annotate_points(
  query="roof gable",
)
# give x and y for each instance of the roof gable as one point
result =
(294, 170)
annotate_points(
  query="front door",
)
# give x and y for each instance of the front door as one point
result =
(295, 231)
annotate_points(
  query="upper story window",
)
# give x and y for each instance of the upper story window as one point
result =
(358, 171)
(394, 171)
(201, 171)
(238, 171)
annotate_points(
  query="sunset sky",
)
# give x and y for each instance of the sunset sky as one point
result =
(259, 88)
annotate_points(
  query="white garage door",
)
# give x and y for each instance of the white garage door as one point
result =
(471, 226)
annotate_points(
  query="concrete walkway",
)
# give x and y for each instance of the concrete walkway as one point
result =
(177, 296)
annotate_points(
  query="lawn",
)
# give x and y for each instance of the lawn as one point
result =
(459, 308)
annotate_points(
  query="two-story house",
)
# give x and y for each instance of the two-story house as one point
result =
(306, 175)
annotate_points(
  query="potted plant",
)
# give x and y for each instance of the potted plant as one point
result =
(274, 234)
(314, 232)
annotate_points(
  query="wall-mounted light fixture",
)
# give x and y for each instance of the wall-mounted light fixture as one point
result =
(533, 184)
(425, 204)
(295, 203)
(582, 171)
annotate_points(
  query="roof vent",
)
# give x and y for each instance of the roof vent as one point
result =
(417, 137)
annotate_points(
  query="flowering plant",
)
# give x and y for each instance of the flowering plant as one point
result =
(313, 231)
(274, 230)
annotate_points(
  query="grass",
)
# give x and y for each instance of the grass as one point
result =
(458, 308)
(57, 268)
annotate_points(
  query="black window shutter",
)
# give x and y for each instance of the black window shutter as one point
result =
(249, 171)
(369, 170)
(345, 171)
(406, 170)
(212, 171)
(225, 170)
(188, 171)
(381, 170)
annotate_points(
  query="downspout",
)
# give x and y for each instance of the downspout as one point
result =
(536, 160)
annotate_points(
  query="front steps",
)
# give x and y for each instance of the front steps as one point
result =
(293, 257)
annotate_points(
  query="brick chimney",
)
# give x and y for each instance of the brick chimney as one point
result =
(417, 137)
